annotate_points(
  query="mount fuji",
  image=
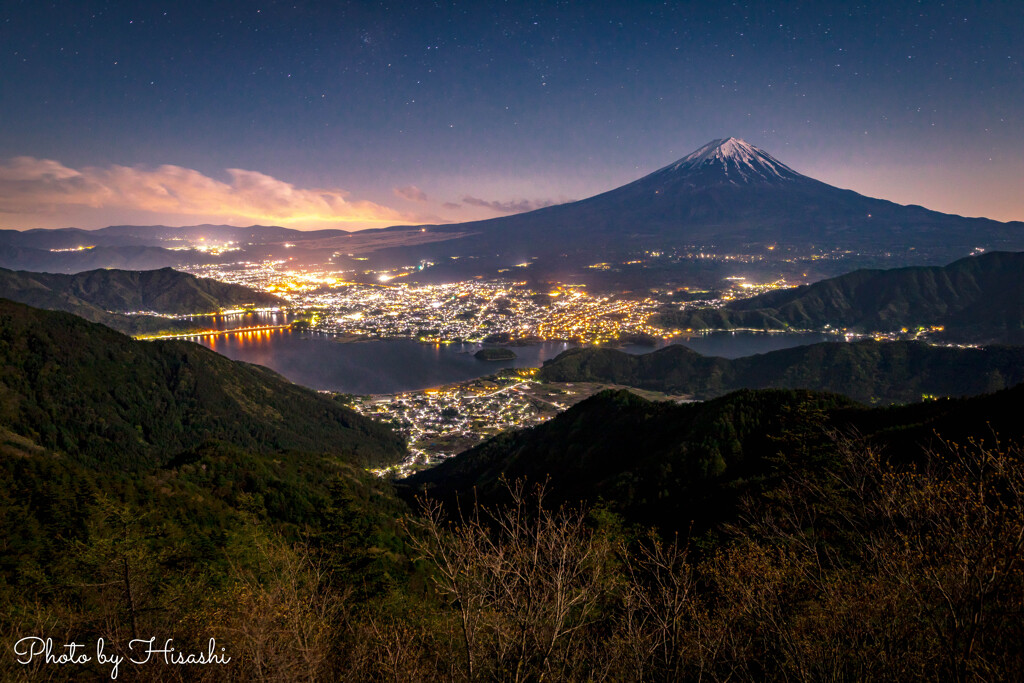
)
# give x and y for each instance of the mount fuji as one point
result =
(733, 196)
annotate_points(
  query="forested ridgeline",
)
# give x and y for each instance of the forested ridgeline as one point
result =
(978, 299)
(867, 371)
(157, 489)
(97, 396)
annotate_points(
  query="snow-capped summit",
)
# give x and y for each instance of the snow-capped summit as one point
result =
(735, 161)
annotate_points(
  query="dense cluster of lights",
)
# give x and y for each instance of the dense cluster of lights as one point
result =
(473, 310)
(578, 316)
(205, 246)
(79, 248)
(441, 422)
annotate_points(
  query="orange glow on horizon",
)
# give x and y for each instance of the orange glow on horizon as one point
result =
(38, 187)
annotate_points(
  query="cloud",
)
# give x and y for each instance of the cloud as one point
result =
(32, 186)
(412, 193)
(514, 205)
(452, 205)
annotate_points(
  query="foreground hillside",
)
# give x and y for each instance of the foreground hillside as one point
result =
(659, 463)
(159, 490)
(802, 537)
(867, 371)
(978, 299)
(672, 465)
(103, 296)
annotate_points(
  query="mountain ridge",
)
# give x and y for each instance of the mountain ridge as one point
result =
(104, 295)
(153, 235)
(865, 371)
(978, 299)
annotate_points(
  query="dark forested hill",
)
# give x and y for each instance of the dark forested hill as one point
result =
(796, 523)
(669, 464)
(656, 462)
(104, 295)
(979, 299)
(867, 371)
(89, 392)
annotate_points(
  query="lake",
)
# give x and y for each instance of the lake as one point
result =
(390, 366)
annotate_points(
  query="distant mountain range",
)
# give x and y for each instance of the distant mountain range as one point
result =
(103, 296)
(76, 261)
(146, 247)
(978, 299)
(137, 247)
(727, 197)
(867, 371)
(156, 236)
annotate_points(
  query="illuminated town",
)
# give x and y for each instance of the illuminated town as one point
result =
(477, 310)
(378, 304)
(471, 311)
(441, 422)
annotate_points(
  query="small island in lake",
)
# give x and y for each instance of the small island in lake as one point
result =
(495, 354)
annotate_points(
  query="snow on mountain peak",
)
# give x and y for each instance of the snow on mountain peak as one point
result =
(738, 161)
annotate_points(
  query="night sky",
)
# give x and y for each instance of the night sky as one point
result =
(364, 114)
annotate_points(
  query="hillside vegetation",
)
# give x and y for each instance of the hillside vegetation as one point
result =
(669, 464)
(800, 537)
(157, 488)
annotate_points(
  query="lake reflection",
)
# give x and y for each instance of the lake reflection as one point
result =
(384, 367)
(369, 367)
